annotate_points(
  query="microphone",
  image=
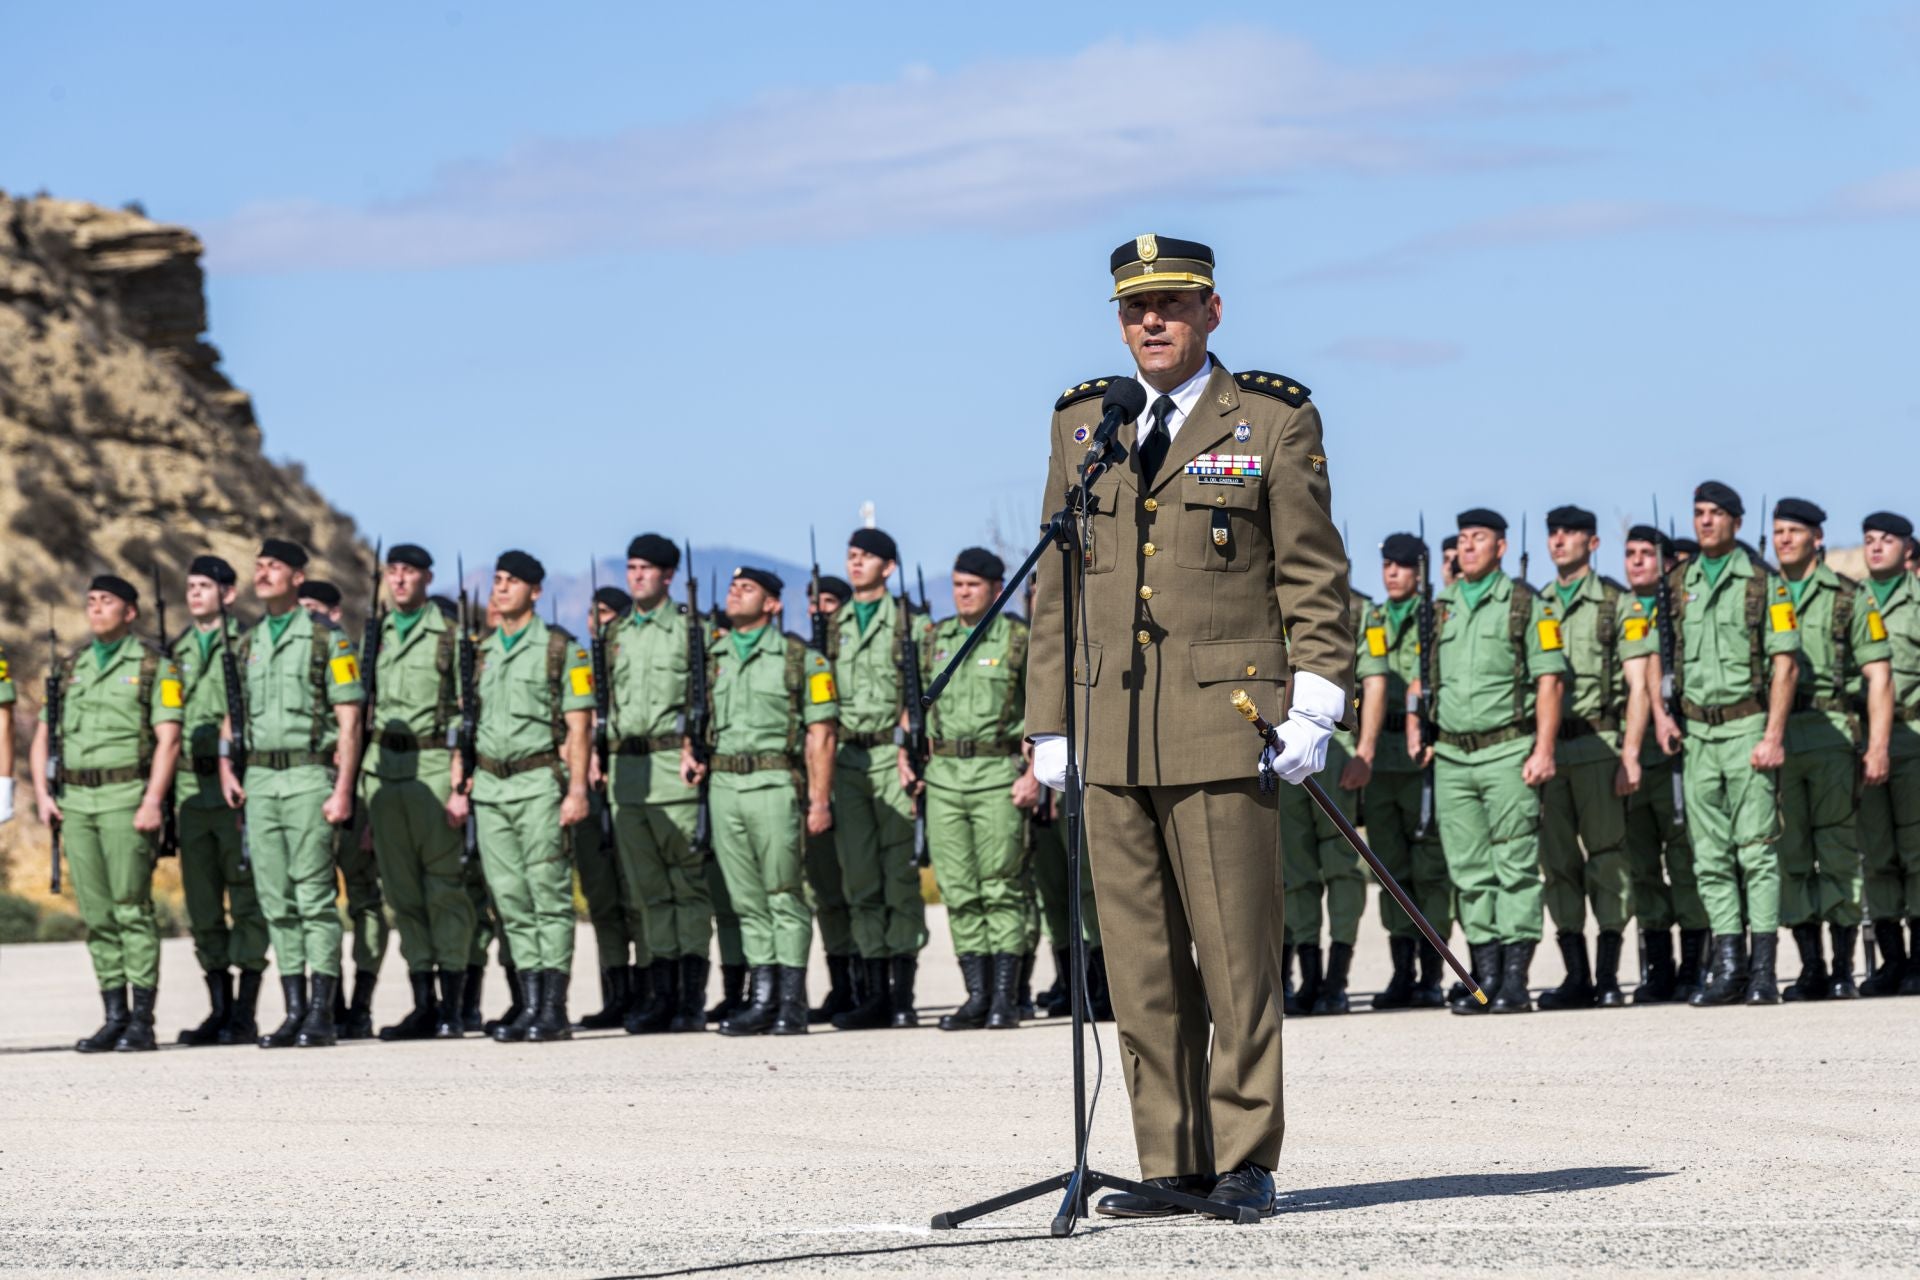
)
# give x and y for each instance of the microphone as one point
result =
(1125, 400)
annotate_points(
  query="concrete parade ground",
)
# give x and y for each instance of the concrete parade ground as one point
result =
(1607, 1143)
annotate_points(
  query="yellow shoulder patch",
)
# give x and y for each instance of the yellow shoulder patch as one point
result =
(170, 694)
(1549, 634)
(820, 687)
(580, 680)
(345, 670)
(5, 672)
(1634, 629)
(1783, 616)
(1876, 630)
(1377, 642)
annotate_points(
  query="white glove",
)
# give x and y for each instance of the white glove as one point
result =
(1317, 707)
(1050, 760)
(6, 799)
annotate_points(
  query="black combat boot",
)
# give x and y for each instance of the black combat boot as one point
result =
(657, 1014)
(448, 1022)
(1399, 989)
(1023, 993)
(1003, 1014)
(137, 1037)
(1289, 1001)
(1606, 970)
(423, 1020)
(972, 1014)
(516, 1011)
(1814, 979)
(1656, 951)
(1333, 988)
(1488, 961)
(1691, 976)
(616, 998)
(901, 977)
(758, 1017)
(220, 998)
(293, 991)
(551, 1023)
(839, 990)
(1842, 987)
(471, 1019)
(1056, 1001)
(874, 1009)
(1099, 994)
(690, 991)
(1762, 987)
(359, 1021)
(1910, 985)
(114, 1001)
(1515, 960)
(790, 1018)
(526, 984)
(1576, 991)
(1885, 981)
(317, 1029)
(733, 992)
(1426, 992)
(241, 1028)
(1726, 980)
(1308, 991)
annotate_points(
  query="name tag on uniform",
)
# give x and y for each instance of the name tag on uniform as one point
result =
(1233, 480)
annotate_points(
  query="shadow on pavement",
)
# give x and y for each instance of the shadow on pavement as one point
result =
(1464, 1186)
(822, 1255)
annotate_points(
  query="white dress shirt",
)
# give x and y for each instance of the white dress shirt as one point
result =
(1185, 397)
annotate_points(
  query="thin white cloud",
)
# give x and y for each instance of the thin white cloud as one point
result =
(1394, 353)
(1000, 146)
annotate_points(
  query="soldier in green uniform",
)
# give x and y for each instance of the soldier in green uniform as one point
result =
(535, 737)
(303, 704)
(1583, 807)
(404, 785)
(1407, 841)
(1840, 658)
(1498, 669)
(614, 908)
(977, 783)
(873, 815)
(772, 727)
(655, 810)
(223, 909)
(1659, 857)
(359, 873)
(1889, 822)
(120, 740)
(1739, 641)
(825, 896)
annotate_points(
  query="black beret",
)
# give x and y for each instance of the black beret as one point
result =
(1403, 548)
(1800, 511)
(449, 607)
(324, 592)
(981, 563)
(1721, 496)
(1482, 518)
(766, 579)
(1887, 522)
(613, 598)
(1647, 533)
(874, 542)
(839, 588)
(290, 554)
(213, 567)
(115, 586)
(409, 554)
(1450, 542)
(1683, 547)
(1574, 519)
(522, 566)
(655, 550)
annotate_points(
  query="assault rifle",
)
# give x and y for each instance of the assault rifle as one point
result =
(602, 700)
(169, 820)
(819, 614)
(369, 671)
(466, 735)
(1424, 635)
(1669, 692)
(55, 705)
(913, 737)
(694, 719)
(236, 718)
(1523, 549)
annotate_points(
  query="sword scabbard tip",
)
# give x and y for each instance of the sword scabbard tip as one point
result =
(1479, 995)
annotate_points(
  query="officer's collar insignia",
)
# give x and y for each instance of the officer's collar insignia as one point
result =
(1242, 431)
(1319, 461)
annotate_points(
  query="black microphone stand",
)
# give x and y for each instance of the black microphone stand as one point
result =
(1078, 1182)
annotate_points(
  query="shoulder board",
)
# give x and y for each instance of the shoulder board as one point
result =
(1086, 390)
(1276, 385)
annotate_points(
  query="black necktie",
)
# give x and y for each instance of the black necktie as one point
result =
(1153, 450)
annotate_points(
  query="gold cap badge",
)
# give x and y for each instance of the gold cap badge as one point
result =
(1147, 247)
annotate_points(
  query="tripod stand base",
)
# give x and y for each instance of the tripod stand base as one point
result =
(1073, 1206)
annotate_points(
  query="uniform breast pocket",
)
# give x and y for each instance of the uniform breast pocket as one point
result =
(1101, 533)
(1219, 522)
(527, 700)
(255, 677)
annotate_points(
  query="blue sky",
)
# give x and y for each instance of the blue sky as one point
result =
(506, 276)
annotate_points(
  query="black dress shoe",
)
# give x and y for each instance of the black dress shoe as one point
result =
(1125, 1204)
(1248, 1186)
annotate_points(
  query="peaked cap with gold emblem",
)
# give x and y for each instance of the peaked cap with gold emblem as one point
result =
(1160, 262)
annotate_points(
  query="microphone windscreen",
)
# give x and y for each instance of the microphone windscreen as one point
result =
(1126, 395)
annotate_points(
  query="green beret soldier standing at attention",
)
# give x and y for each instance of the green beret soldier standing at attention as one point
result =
(615, 908)
(1890, 810)
(120, 739)
(826, 896)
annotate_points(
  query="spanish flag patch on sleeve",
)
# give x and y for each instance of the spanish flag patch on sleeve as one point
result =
(1782, 615)
(170, 694)
(1876, 630)
(581, 679)
(1549, 634)
(820, 687)
(1377, 641)
(345, 670)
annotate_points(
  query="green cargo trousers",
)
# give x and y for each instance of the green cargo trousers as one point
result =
(1660, 856)
(1319, 862)
(826, 898)
(112, 868)
(665, 878)
(1583, 848)
(360, 881)
(420, 870)
(1392, 803)
(614, 908)
(1819, 857)
(486, 922)
(1490, 828)
(292, 845)
(873, 831)
(978, 862)
(1048, 867)
(726, 921)
(757, 840)
(1889, 827)
(1734, 812)
(215, 884)
(530, 878)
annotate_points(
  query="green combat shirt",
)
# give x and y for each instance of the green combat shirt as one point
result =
(6, 679)
(1830, 683)
(101, 722)
(1474, 664)
(1596, 686)
(285, 710)
(1640, 638)
(416, 698)
(647, 667)
(758, 711)
(1716, 644)
(1898, 620)
(517, 715)
(984, 706)
(205, 708)
(1391, 649)
(866, 670)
